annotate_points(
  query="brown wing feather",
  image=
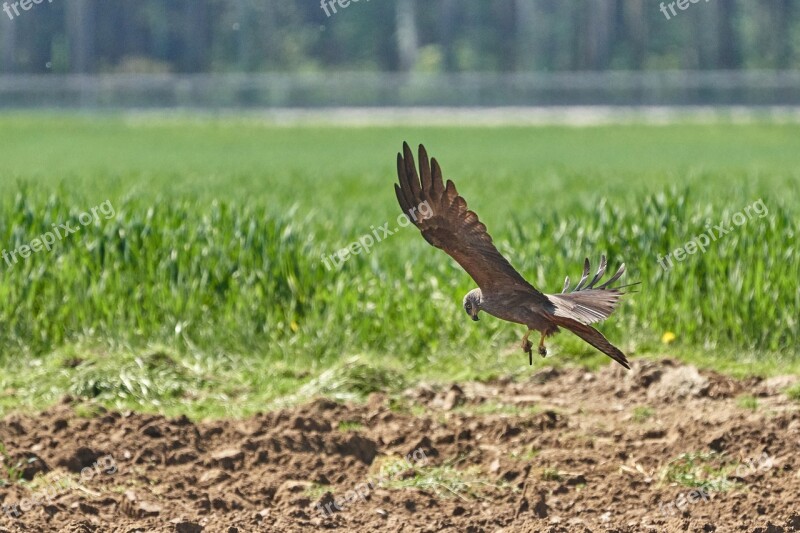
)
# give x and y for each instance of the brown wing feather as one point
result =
(452, 227)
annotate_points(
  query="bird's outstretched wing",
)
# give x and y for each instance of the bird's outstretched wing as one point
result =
(442, 216)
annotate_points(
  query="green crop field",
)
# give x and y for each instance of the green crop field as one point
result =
(202, 288)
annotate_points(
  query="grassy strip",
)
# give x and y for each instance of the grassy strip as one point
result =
(223, 386)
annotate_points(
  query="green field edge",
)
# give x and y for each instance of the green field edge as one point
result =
(160, 380)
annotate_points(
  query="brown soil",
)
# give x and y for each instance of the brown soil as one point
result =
(563, 450)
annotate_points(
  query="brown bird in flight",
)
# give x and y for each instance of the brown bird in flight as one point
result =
(502, 291)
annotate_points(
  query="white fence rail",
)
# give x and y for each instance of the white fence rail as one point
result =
(662, 88)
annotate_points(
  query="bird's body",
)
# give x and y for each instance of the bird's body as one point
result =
(518, 307)
(502, 292)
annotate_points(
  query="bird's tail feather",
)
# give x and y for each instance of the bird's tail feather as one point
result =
(586, 303)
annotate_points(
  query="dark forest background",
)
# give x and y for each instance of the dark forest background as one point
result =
(193, 36)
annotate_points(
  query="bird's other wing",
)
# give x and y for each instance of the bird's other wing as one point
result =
(442, 217)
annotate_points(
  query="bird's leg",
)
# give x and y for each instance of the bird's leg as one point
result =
(542, 349)
(526, 346)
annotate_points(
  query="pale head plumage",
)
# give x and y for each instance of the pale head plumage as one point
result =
(472, 303)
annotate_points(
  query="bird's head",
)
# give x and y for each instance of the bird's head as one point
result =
(472, 303)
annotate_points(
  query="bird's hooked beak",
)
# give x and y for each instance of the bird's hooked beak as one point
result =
(475, 317)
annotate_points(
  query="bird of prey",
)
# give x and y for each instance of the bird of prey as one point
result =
(502, 291)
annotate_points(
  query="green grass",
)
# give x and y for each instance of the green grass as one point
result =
(445, 480)
(12, 470)
(211, 269)
(551, 474)
(642, 413)
(317, 491)
(706, 470)
(349, 425)
(526, 454)
(747, 402)
(794, 393)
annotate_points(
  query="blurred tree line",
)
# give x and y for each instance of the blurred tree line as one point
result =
(190, 36)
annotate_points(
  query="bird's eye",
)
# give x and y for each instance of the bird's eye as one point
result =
(467, 308)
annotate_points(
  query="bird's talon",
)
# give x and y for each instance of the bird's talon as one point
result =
(542, 351)
(526, 346)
